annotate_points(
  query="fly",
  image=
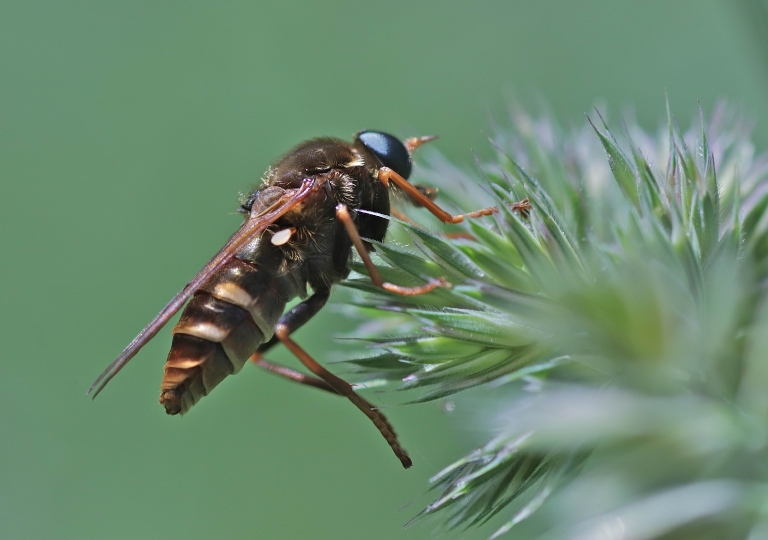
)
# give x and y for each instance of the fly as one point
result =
(301, 227)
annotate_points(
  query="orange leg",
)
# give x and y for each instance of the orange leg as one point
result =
(345, 389)
(291, 374)
(429, 192)
(459, 235)
(386, 174)
(301, 378)
(343, 214)
(403, 217)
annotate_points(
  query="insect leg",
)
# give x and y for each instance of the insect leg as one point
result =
(429, 192)
(291, 321)
(294, 319)
(386, 174)
(301, 378)
(345, 389)
(292, 374)
(343, 214)
(412, 144)
(298, 316)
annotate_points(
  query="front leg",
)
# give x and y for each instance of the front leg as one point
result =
(386, 174)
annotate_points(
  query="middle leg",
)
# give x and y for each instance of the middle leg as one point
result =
(343, 214)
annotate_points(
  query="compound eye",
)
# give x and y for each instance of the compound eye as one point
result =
(389, 149)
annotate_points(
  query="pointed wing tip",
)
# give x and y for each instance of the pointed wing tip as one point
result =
(94, 390)
(226, 253)
(99, 384)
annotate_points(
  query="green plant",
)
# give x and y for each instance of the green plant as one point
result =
(619, 332)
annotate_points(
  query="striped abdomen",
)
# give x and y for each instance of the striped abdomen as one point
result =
(220, 328)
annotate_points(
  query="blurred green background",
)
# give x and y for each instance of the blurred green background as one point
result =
(127, 130)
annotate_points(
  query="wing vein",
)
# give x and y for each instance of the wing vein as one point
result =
(254, 226)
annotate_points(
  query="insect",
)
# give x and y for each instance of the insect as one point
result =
(300, 229)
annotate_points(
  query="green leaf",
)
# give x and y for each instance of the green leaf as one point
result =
(622, 171)
(433, 348)
(498, 269)
(491, 366)
(383, 361)
(497, 244)
(416, 265)
(476, 327)
(444, 253)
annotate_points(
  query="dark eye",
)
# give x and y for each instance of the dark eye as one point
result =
(389, 149)
(246, 203)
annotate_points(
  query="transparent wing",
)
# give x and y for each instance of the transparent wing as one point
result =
(254, 226)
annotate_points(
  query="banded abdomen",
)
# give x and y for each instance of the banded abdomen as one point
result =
(220, 328)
